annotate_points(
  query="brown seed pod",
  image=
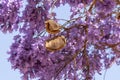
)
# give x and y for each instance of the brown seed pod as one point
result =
(55, 43)
(52, 27)
(118, 15)
(117, 1)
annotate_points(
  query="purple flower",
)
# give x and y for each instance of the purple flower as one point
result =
(105, 6)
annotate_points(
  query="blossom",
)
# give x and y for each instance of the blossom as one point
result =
(105, 6)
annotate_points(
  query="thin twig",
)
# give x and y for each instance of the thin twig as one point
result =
(53, 6)
(71, 20)
(91, 6)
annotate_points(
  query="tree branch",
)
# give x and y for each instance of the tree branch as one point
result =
(91, 6)
(67, 62)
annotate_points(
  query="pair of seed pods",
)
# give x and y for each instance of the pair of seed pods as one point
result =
(58, 42)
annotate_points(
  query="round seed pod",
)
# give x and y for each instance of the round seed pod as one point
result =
(52, 27)
(55, 43)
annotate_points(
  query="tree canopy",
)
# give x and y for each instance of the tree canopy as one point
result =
(84, 45)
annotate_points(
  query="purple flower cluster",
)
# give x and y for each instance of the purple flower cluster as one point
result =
(105, 5)
(9, 15)
(92, 34)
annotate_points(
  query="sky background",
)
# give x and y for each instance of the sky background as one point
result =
(6, 73)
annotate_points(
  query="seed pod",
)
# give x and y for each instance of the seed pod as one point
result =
(117, 1)
(55, 43)
(118, 15)
(52, 27)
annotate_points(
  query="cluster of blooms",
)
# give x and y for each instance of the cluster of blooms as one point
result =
(93, 38)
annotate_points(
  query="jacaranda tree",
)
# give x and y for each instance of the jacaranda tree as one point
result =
(45, 49)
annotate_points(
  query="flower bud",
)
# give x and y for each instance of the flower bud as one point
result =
(55, 43)
(52, 27)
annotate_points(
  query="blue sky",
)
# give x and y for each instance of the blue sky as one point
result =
(6, 73)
